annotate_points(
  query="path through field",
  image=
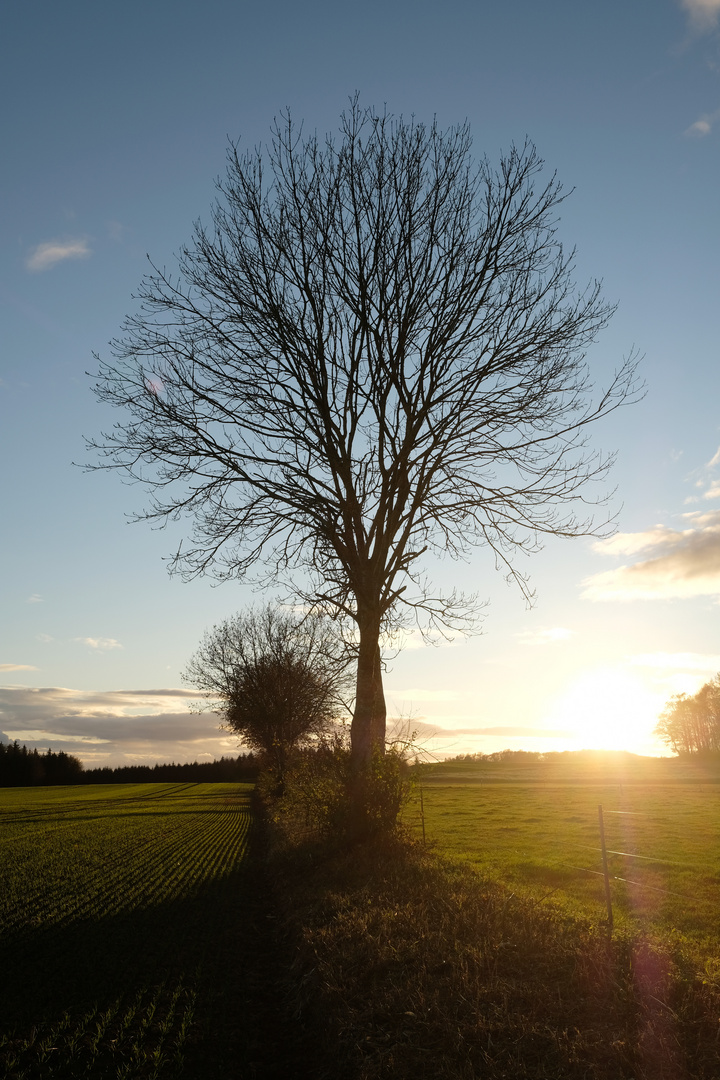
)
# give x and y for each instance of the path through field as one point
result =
(136, 939)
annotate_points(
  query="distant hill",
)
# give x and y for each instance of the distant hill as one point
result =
(573, 766)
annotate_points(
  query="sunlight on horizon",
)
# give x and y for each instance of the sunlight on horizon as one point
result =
(609, 709)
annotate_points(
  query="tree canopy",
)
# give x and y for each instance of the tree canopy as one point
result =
(690, 723)
(278, 680)
(374, 352)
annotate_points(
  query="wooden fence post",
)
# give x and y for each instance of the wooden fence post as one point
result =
(608, 898)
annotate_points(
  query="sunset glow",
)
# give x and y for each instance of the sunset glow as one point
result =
(621, 102)
(609, 709)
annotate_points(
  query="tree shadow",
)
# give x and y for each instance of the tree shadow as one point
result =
(197, 986)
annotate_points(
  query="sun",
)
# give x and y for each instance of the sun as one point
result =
(609, 709)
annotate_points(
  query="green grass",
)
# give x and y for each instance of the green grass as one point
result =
(132, 930)
(415, 967)
(535, 829)
(139, 938)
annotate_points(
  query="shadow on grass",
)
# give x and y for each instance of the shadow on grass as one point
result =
(193, 987)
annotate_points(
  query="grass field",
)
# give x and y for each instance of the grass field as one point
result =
(495, 962)
(129, 932)
(137, 940)
(536, 829)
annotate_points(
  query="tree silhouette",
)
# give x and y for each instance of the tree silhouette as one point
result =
(277, 680)
(375, 351)
(691, 723)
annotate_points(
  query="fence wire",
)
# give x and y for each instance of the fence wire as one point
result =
(626, 854)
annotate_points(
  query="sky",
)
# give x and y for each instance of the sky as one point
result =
(115, 125)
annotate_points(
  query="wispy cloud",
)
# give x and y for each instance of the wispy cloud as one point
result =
(17, 667)
(100, 644)
(709, 478)
(34, 599)
(45, 256)
(508, 732)
(704, 17)
(682, 563)
(703, 125)
(704, 14)
(116, 231)
(544, 635)
(430, 731)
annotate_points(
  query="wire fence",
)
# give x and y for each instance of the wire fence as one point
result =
(604, 851)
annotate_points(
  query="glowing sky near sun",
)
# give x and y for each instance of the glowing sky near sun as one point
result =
(116, 123)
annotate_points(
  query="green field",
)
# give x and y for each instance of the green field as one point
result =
(127, 917)
(535, 828)
(135, 929)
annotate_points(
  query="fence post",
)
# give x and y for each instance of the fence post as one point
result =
(606, 873)
(422, 815)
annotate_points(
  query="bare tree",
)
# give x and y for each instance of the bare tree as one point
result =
(277, 680)
(376, 351)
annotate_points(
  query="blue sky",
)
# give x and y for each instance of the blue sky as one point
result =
(115, 124)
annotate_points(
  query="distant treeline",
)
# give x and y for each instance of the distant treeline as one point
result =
(517, 756)
(225, 771)
(20, 767)
(524, 757)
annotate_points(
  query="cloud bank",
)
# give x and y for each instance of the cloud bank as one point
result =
(113, 727)
(45, 256)
(681, 563)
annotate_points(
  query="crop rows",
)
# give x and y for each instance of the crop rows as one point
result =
(117, 912)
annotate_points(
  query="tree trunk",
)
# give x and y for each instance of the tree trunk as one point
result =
(367, 731)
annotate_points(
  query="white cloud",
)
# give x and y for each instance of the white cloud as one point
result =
(632, 543)
(101, 644)
(544, 635)
(45, 256)
(703, 125)
(682, 564)
(704, 14)
(34, 599)
(707, 484)
(45, 638)
(17, 667)
(699, 129)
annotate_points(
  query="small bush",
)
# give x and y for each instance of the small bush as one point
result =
(325, 794)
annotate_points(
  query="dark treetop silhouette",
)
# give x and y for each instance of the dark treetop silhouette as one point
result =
(277, 680)
(375, 351)
(691, 723)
